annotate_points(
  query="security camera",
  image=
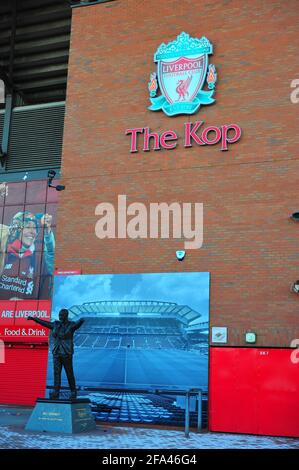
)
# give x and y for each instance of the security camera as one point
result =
(51, 174)
(180, 254)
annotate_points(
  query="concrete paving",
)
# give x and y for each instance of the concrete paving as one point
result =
(14, 436)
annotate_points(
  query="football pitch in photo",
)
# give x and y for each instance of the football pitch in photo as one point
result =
(171, 369)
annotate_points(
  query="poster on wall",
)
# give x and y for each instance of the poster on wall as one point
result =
(27, 240)
(144, 335)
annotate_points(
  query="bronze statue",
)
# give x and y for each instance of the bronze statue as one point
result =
(62, 349)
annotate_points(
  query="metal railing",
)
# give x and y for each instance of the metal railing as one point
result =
(188, 393)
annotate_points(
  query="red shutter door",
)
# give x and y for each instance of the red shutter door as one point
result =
(23, 374)
(254, 391)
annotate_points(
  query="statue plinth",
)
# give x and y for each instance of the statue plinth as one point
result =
(62, 416)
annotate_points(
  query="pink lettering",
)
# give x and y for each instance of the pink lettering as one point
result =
(217, 137)
(166, 136)
(225, 139)
(134, 133)
(211, 135)
(190, 133)
(147, 137)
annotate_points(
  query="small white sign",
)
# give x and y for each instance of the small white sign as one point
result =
(219, 334)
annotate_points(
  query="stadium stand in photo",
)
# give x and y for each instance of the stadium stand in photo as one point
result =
(145, 325)
(127, 407)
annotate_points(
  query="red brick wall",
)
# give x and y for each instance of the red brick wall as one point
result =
(250, 245)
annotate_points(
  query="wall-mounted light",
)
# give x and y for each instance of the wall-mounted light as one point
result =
(51, 176)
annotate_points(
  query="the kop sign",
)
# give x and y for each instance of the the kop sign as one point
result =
(182, 74)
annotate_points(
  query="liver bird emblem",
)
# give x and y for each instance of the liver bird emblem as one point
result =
(182, 88)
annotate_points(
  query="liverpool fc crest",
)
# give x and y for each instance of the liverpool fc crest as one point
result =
(182, 70)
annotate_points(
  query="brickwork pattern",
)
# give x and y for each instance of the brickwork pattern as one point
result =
(250, 244)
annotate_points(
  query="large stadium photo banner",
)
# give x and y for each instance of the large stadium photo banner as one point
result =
(27, 240)
(144, 335)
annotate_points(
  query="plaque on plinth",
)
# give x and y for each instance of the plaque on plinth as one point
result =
(61, 416)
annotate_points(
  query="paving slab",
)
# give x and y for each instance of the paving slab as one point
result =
(14, 436)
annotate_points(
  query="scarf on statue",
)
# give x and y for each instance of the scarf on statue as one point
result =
(16, 249)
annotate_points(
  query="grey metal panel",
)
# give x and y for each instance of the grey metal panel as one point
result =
(36, 138)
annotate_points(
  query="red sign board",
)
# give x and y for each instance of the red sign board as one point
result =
(14, 326)
(61, 272)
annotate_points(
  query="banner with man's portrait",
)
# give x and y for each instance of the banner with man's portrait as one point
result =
(27, 240)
